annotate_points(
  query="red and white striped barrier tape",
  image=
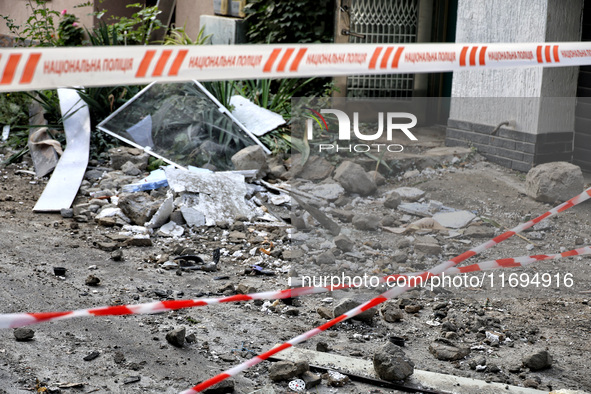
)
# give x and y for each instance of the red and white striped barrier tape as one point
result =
(47, 68)
(522, 261)
(14, 320)
(438, 270)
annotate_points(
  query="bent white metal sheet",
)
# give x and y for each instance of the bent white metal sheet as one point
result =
(69, 172)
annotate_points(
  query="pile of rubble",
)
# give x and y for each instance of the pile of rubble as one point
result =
(284, 219)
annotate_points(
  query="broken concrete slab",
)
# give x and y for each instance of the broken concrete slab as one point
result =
(418, 209)
(112, 212)
(316, 168)
(427, 245)
(139, 207)
(347, 304)
(221, 194)
(121, 155)
(556, 181)
(285, 370)
(162, 215)
(538, 361)
(369, 222)
(325, 191)
(391, 312)
(344, 243)
(458, 219)
(480, 232)
(320, 216)
(392, 201)
(44, 151)
(411, 194)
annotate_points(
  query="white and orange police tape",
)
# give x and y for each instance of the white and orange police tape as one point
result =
(46, 68)
(14, 320)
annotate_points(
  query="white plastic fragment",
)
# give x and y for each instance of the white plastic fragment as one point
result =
(257, 120)
(130, 230)
(69, 172)
(112, 212)
(280, 199)
(5, 132)
(171, 229)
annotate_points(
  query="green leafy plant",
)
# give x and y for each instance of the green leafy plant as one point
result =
(103, 35)
(222, 91)
(39, 29)
(49, 101)
(122, 30)
(179, 36)
(14, 108)
(294, 21)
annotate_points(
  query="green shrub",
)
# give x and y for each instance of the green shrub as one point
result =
(294, 21)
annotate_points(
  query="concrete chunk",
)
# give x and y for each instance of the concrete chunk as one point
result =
(354, 179)
(556, 181)
(221, 194)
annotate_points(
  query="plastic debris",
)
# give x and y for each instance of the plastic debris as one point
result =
(5, 132)
(69, 172)
(297, 385)
(112, 212)
(256, 119)
(171, 229)
(155, 180)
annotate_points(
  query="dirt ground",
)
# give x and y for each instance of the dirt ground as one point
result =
(135, 357)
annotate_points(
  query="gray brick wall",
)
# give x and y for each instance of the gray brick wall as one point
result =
(512, 149)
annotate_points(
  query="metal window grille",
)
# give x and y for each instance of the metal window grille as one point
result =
(388, 22)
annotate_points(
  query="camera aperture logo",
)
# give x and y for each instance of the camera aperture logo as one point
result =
(346, 133)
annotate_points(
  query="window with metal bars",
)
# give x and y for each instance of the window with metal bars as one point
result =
(388, 22)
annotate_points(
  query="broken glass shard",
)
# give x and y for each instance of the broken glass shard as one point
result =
(182, 124)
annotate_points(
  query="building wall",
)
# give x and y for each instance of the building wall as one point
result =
(539, 130)
(20, 12)
(188, 13)
(116, 7)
